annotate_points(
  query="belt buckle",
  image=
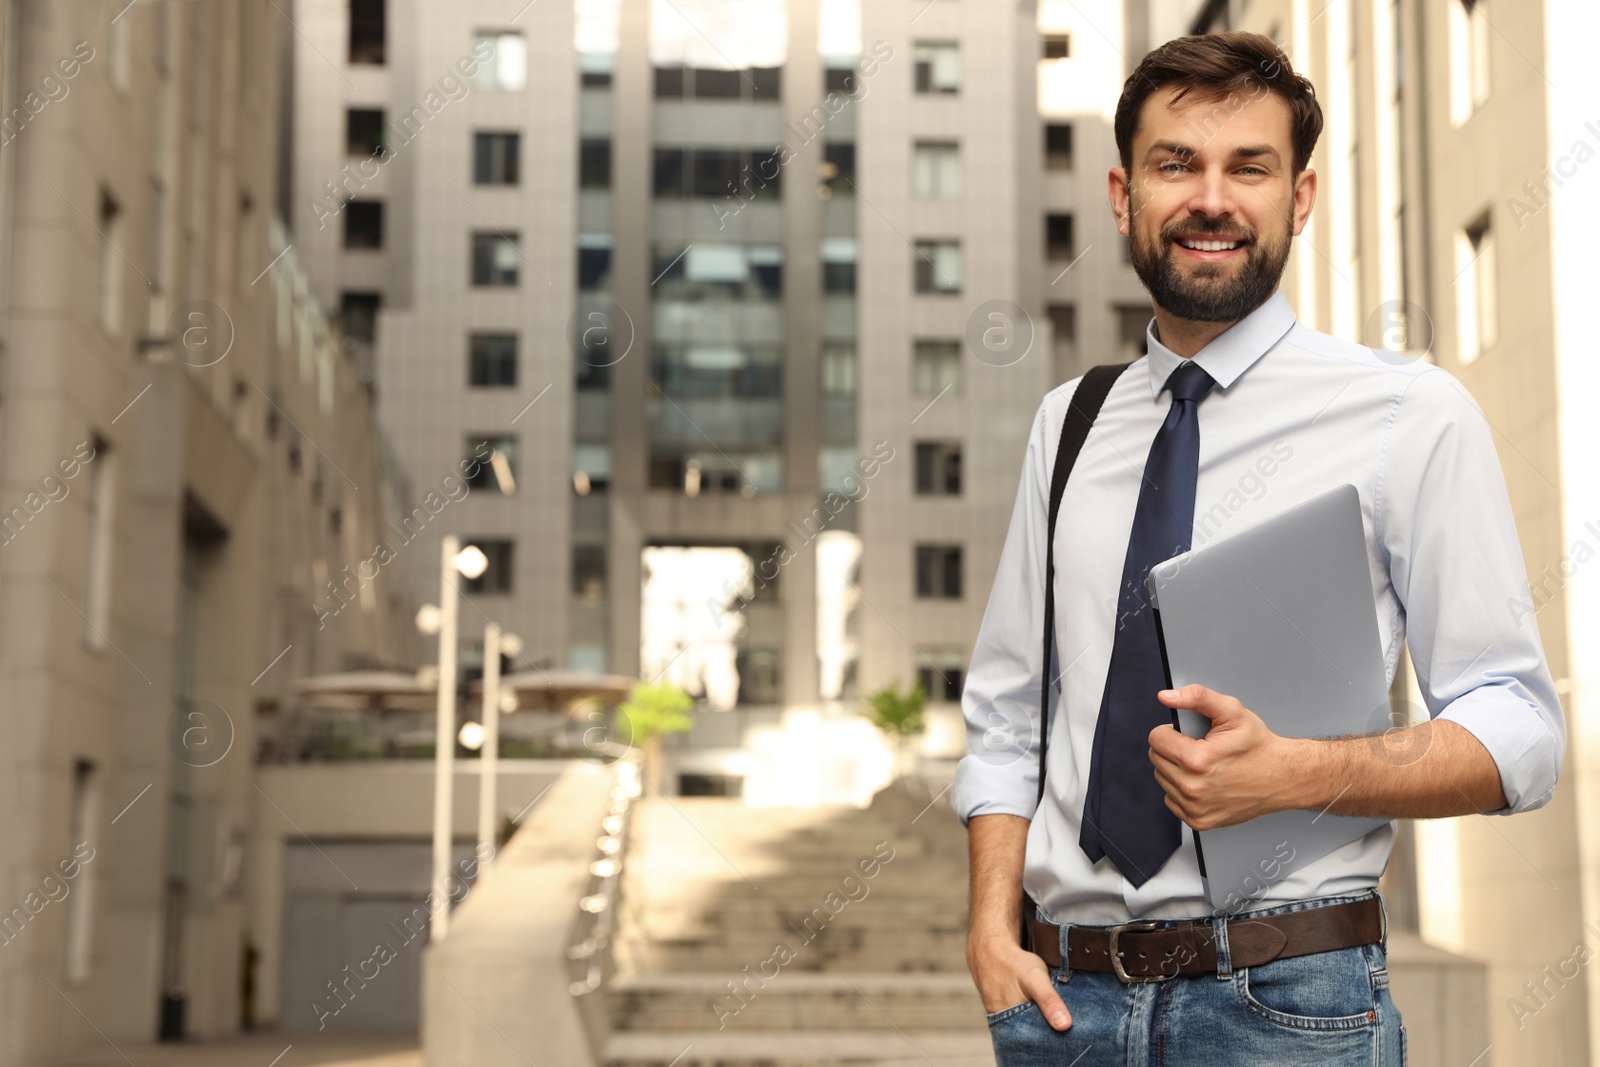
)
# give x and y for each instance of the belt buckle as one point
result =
(1116, 957)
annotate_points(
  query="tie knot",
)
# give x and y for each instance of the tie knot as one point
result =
(1190, 382)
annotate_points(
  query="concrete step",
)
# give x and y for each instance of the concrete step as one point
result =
(716, 963)
(799, 1048)
(794, 1000)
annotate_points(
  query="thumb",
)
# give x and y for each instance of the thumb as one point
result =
(1051, 1006)
(1218, 707)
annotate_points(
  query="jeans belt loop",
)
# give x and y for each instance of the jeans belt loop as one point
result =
(1219, 936)
(1066, 962)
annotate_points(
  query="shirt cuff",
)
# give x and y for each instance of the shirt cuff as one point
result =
(980, 788)
(1514, 731)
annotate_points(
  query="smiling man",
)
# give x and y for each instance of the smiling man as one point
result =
(1124, 962)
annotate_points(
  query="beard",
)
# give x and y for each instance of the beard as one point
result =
(1206, 292)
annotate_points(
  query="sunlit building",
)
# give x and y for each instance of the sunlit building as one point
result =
(186, 460)
(781, 280)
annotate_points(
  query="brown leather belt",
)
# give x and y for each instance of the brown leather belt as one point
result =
(1153, 952)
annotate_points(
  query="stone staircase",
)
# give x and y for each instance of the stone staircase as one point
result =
(759, 937)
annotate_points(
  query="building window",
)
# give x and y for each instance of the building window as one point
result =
(1057, 46)
(497, 577)
(1477, 292)
(102, 530)
(941, 674)
(937, 66)
(83, 827)
(594, 163)
(766, 270)
(367, 31)
(1058, 145)
(492, 360)
(937, 266)
(495, 158)
(591, 468)
(363, 224)
(363, 131)
(935, 367)
(839, 167)
(938, 468)
(1132, 328)
(760, 675)
(939, 572)
(358, 316)
(495, 257)
(671, 179)
(1058, 236)
(1469, 58)
(715, 171)
(839, 368)
(764, 83)
(109, 304)
(840, 80)
(594, 262)
(506, 69)
(839, 265)
(595, 69)
(936, 169)
(671, 82)
(589, 573)
(720, 173)
(496, 459)
(709, 83)
(1064, 340)
(763, 175)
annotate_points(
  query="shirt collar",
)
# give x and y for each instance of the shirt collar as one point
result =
(1232, 352)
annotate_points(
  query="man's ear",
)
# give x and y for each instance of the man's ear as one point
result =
(1305, 197)
(1117, 193)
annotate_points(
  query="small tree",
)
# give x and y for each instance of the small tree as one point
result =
(898, 715)
(653, 709)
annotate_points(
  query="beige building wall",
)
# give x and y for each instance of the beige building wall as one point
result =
(162, 594)
(431, 208)
(1418, 151)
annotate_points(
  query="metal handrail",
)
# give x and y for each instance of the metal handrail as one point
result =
(601, 901)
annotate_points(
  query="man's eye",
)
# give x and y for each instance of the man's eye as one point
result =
(1172, 166)
(1254, 172)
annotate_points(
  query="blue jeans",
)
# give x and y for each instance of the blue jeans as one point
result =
(1328, 1009)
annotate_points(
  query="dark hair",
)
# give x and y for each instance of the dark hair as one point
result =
(1214, 66)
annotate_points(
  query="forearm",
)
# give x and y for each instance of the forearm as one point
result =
(1432, 770)
(996, 845)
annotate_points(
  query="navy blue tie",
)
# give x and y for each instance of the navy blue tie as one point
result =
(1125, 817)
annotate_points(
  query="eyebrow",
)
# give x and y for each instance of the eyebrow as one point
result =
(1242, 152)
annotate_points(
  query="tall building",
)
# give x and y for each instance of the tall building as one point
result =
(1455, 211)
(752, 304)
(186, 450)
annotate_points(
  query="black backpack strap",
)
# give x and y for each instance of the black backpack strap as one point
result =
(1081, 413)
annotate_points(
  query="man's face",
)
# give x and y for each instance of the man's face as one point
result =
(1210, 204)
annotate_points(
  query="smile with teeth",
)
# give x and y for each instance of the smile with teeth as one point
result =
(1203, 245)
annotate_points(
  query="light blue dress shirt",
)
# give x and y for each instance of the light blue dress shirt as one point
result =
(1295, 413)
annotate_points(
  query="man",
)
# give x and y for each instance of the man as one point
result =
(1236, 413)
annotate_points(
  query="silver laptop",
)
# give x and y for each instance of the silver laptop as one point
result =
(1280, 616)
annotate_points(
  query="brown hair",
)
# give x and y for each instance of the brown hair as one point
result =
(1214, 66)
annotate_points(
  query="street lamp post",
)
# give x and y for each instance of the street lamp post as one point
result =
(470, 562)
(484, 737)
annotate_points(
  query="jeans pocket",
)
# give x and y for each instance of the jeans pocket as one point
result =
(1322, 991)
(1007, 1013)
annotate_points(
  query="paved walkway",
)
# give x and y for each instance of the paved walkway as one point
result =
(269, 1049)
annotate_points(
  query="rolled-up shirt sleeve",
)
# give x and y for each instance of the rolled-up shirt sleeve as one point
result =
(1457, 567)
(1000, 701)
